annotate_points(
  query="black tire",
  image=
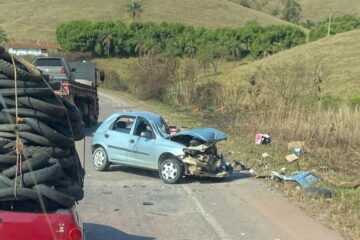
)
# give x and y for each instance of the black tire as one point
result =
(37, 139)
(14, 127)
(6, 181)
(21, 194)
(12, 144)
(32, 164)
(8, 159)
(52, 109)
(44, 175)
(30, 151)
(171, 171)
(58, 197)
(49, 133)
(6, 118)
(75, 191)
(100, 159)
(9, 103)
(10, 83)
(72, 111)
(30, 113)
(8, 69)
(8, 135)
(9, 92)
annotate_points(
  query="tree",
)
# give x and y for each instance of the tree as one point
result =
(292, 11)
(210, 54)
(135, 9)
(3, 36)
(107, 41)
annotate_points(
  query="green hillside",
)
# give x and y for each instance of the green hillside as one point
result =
(37, 20)
(339, 56)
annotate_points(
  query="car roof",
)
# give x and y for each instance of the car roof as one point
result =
(153, 117)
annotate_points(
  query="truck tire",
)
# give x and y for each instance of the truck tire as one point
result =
(9, 92)
(30, 151)
(37, 139)
(31, 113)
(21, 193)
(10, 83)
(6, 118)
(72, 111)
(52, 109)
(13, 127)
(43, 175)
(38, 161)
(58, 197)
(49, 133)
(8, 69)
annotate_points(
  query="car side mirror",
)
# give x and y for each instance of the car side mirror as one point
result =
(102, 76)
(73, 70)
(146, 134)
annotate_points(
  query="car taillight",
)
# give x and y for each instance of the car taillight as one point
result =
(63, 70)
(75, 233)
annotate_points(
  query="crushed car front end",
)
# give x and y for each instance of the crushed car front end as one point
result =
(201, 157)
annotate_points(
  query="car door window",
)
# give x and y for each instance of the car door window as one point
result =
(123, 124)
(143, 125)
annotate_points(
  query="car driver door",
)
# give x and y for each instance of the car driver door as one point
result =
(143, 143)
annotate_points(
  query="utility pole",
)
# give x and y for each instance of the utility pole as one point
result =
(329, 26)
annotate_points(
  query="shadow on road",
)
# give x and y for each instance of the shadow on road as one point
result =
(186, 180)
(101, 232)
(135, 171)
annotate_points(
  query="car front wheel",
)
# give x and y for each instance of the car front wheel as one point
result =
(171, 171)
(100, 159)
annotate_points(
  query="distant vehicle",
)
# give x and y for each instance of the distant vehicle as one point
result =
(56, 67)
(60, 225)
(143, 139)
(79, 81)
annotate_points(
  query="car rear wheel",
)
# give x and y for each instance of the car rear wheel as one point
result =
(171, 171)
(100, 159)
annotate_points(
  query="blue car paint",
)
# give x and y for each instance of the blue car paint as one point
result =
(145, 152)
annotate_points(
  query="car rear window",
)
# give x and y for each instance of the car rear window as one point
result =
(51, 62)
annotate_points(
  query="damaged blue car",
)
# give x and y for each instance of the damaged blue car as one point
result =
(143, 139)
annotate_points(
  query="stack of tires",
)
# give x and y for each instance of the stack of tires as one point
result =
(39, 166)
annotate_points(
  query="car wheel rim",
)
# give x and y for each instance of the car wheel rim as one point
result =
(99, 158)
(169, 171)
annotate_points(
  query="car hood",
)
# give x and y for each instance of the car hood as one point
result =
(205, 134)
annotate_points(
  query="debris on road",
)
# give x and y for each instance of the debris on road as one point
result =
(262, 139)
(319, 192)
(148, 203)
(305, 179)
(292, 157)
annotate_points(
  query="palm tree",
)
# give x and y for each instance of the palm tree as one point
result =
(3, 36)
(107, 42)
(134, 9)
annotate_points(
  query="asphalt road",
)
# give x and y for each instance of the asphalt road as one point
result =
(128, 203)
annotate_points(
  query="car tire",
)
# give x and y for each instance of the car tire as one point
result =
(100, 159)
(171, 171)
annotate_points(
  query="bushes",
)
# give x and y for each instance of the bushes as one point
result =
(338, 25)
(107, 38)
(152, 77)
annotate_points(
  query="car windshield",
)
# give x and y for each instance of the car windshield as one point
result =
(162, 127)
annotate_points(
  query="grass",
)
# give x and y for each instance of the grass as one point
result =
(338, 55)
(37, 20)
(315, 10)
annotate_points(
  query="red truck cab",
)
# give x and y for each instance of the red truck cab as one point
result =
(63, 224)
